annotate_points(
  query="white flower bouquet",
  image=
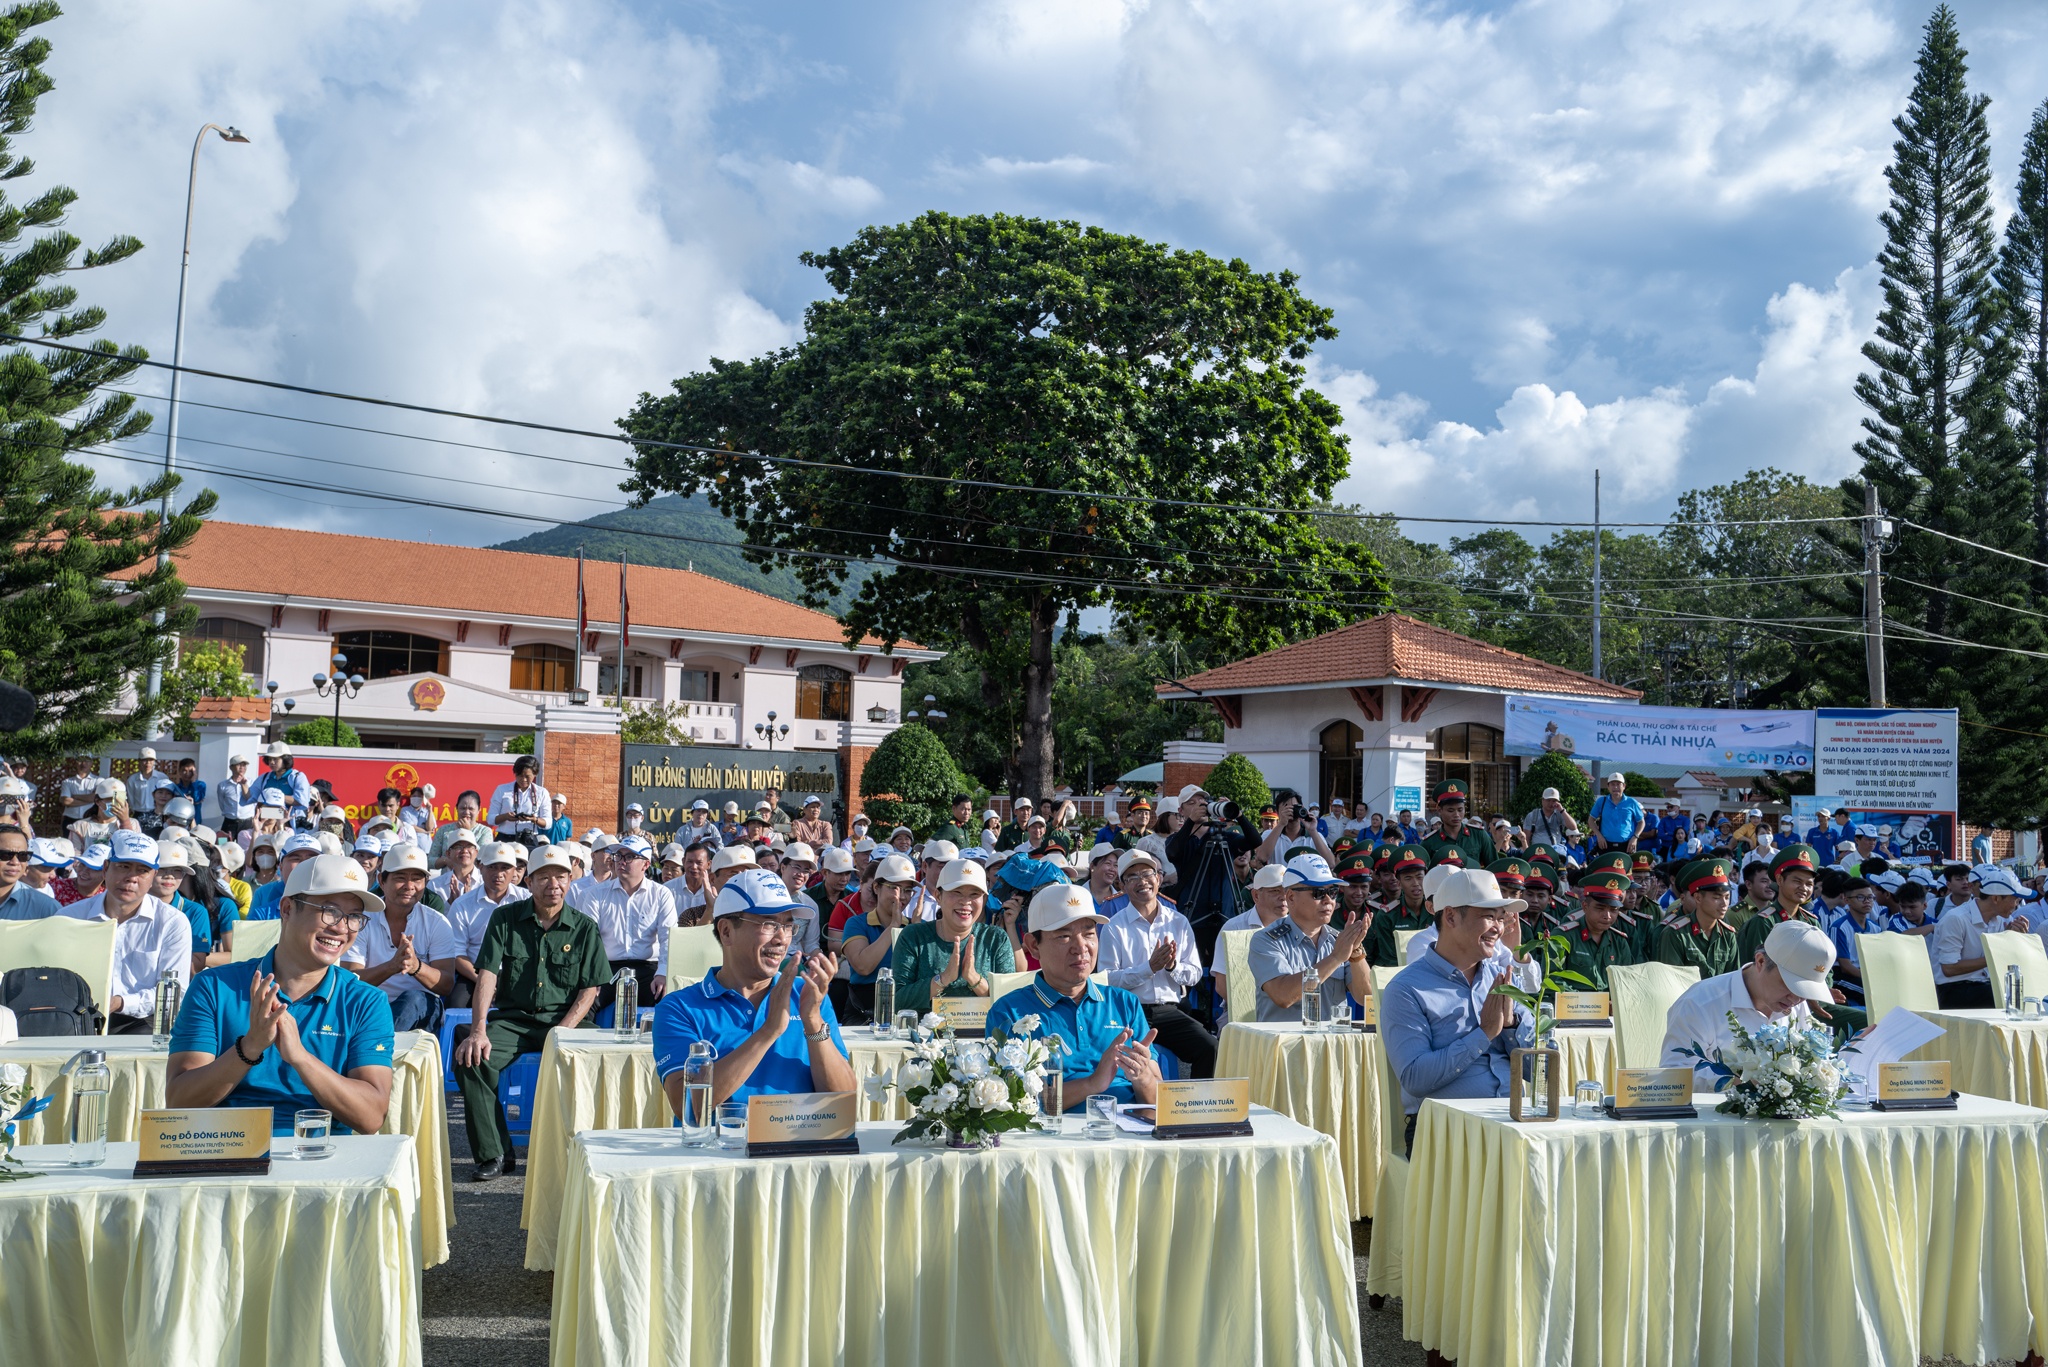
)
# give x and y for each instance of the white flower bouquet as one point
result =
(16, 1104)
(1778, 1073)
(973, 1091)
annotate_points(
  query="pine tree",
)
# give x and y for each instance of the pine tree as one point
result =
(67, 634)
(2023, 275)
(1941, 453)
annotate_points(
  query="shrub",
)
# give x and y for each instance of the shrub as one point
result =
(1239, 780)
(1552, 771)
(911, 778)
(321, 731)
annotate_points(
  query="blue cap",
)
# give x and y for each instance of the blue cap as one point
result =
(95, 856)
(299, 842)
(1309, 871)
(132, 847)
(754, 890)
(637, 845)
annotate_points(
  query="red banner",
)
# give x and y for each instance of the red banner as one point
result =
(356, 781)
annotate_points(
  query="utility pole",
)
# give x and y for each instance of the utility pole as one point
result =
(1596, 599)
(1875, 529)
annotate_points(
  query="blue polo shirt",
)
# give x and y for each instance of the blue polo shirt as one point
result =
(1088, 1026)
(25, 903)
(857, 928)
(263, 903)
(709, 1010)
(345, 1023)
(1429, 1022)
(201, 919)
(1617, 820)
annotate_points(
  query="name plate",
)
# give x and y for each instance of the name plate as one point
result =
(1582, 1009)
(1652, 1094)
(1914, 1087)
(802, 1123)
(967, 1016)
(1203, 1108)
(213, 1142)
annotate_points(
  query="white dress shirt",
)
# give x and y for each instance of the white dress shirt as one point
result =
(634, 924)
(450, 891)
(433, 937)
(532, 806)
(1127, 944)
(1527, 976)
(1700, 1017)
(156, 940)
(686, 901)
(1959, 936)
(79, 797)
(924, 906)
(470, 915)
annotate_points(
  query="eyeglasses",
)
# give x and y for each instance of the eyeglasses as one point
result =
(348, 918)
(766, 925)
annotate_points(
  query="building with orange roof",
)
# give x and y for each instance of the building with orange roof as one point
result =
(1377, 712)
(459, 647)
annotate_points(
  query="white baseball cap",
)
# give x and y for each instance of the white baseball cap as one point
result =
(1309, 871)
(837, 860)
(148, 752)
(672, 853)
(700, 805)
(302, 842)
(1103, 850)
(1270, 876)
(863, 845)
(1060, 904)
(895, 868)
(332, 873)
(170, 854)
(550, 857)
(501, 852)
(799, 852)
(463, 836)
(399, 858)
(942, 851)
(1803, 956)
(733, 857)
(1131, 859)
(962, 873)
(1552, 795)
(1475, 888)
(1998, 881)
(755, 890)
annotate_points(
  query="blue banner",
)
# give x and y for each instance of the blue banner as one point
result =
(1695, 737)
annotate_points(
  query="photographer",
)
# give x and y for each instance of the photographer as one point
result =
(1204, 852)
(1294, 828)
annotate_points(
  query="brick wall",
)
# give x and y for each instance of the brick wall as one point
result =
(586, 768)
(853, 759)
(1179, 774)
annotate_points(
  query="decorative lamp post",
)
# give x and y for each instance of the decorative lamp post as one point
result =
(339, 687)
(768, 730)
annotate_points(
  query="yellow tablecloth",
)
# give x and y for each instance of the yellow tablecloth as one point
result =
(1991, 1055)
(1047, 1250)
(1330, 1081)
(419, 1107)
(590, 1081)
(1872, 1239)
(319, 1262)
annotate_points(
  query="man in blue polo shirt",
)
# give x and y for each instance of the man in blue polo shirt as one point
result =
(1098, 1025)
(293, 1030)
(743, 1009)
(1617, 818)
(298, 847)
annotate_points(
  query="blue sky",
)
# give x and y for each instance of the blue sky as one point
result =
(1556, 235)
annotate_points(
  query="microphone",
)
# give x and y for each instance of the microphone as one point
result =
(17, 707)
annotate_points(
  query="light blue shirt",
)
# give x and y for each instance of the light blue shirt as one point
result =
(234, 801)
(293, 787)
(344, 1022)
(1284, 948)
(1618, 820)
(857, 928)
(1089, 1028)
(263, 903)
(709, 1010)
(25, 903)
(1429, 1021)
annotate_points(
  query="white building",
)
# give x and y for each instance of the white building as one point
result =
(1379, 712)
(461, 646)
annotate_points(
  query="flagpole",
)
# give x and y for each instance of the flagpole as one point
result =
(619, 693)
(582, 625)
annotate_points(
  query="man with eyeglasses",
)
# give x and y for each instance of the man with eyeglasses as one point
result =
(409, 950)
(1304, 938)
(19, 901)
(765, 1010)
(541, 965)
(293, 1030)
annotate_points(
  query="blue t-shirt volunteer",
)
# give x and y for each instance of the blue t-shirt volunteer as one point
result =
(1089, 1027)
(1617, 820)
(857, 928)
(709, 1010)
(344, 1022)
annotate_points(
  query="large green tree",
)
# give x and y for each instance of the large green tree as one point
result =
(2023, 275)
(68, 632)
(1939, 449)
(962, 365)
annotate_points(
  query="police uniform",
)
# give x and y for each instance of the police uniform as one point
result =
(1382, 947)
(1471, 839)
(1712, 952)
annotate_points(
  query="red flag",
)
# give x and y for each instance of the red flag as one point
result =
(582, 612)
(625, 608)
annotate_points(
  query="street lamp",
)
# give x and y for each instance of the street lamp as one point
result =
(932, 713)
(338, 687)
(878, 714)
(768, 730)
(163, 516)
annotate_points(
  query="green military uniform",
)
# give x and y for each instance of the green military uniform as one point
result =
(1756, 927)
(1382, 946)
(1712, 952)
(1471, 839)
(920, 954)
(540, 971)
(958, 834)
(1010, 836)
(1591, 957)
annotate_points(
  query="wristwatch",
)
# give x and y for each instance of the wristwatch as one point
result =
(822, 1035)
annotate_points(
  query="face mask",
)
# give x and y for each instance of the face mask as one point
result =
(632, 822)
(264, 861)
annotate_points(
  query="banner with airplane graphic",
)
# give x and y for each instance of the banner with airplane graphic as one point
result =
(1695, 737)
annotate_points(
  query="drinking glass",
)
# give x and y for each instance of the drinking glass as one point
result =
(906, 1024)
(2031, 1008)
(1340, 1013)
(1102, 1116)
(732, 1125)
(1588, 1099)
(312, 1130)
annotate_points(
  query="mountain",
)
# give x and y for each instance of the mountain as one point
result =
(679, 533)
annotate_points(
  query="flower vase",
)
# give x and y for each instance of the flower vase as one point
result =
(955, 1139)
(1536, 1081)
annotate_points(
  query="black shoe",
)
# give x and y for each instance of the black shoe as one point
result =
(489, 1169)
(511, 1164)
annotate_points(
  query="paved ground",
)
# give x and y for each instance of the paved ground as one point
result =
(484, 1309)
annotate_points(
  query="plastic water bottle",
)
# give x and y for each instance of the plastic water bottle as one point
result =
(626, 1007)
(885, 1004)
(700, 1123)
(90, 1083)
(2015, 991)
(169, 996)
(1311, 1000)
(1054, 1099)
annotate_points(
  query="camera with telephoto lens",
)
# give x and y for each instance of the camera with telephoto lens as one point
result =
(1229, 811)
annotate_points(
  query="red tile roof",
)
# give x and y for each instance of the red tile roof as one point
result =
(1394, 646)
(282, 563)
(231, 709)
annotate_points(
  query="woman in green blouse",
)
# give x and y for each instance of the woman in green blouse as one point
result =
(954, 955)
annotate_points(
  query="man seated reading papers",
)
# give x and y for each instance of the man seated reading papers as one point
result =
(744, 1008)
(1097, 1025)
(293, 1030)
(1447, 1033)
(1787, 973)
